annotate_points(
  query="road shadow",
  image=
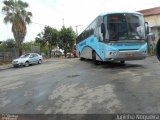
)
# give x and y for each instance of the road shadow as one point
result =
(116, 65)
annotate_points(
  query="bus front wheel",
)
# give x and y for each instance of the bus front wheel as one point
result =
(94, 58)
(122, 62)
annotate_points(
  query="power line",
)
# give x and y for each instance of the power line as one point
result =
(31, 21)
(155, 2)
(39, 24)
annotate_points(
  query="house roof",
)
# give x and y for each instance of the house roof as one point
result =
(151, 11)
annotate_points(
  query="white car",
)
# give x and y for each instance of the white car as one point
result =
(27, 59)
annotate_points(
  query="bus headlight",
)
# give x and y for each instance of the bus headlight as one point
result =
(113, 53)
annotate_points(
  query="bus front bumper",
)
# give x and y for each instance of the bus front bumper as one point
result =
(125, 55)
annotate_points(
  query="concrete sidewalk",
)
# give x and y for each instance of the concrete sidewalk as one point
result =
(7, 66)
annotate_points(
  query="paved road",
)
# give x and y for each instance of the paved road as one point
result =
(74, 86)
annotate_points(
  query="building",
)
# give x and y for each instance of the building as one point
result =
(152, 16)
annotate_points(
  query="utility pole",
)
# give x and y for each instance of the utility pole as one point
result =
(49, 44)
(77, 28)
(62, 22)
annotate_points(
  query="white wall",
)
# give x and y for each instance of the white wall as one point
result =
(153, 20)
(154, 24)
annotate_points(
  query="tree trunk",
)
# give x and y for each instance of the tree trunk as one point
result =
(65, 53)
(20, 50)
(50, 51)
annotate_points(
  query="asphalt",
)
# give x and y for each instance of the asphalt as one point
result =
(8, 66)
(71, 86)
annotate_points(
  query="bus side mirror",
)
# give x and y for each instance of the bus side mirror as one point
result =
(103, 29)
(146, 28)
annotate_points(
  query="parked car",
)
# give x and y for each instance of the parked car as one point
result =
(27, 59)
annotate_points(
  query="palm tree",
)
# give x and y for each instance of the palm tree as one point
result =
(16, 14)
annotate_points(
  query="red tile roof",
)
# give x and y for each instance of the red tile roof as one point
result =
(151, 11)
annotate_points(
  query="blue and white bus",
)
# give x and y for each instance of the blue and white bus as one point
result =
(114, 37)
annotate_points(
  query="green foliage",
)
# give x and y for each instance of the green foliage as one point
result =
(158, 34)
(30, 46)
(40, 40)
(8, 44)
(27, 46)
(51, 37)
(48, 37)
(67, 39)
(2, 47)
(16, 14)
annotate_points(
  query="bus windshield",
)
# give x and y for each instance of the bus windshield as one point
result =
(125, 26)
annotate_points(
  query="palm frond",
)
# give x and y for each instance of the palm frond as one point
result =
(29, 14)
(9, 3)
(9, 18)
(5, 9)
(28, 20)
(22, 4)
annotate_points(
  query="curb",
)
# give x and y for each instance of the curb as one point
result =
(4, 67)
(8, 66)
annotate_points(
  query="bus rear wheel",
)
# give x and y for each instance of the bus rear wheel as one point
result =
(81, 58)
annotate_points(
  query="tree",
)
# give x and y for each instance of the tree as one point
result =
(16, 14)
(27, 46)
(9, 43)
(31, 46)
(48, 36)
(39, 39)
(41, 42)
(67, 39)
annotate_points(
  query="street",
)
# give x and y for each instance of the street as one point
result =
(71, 86)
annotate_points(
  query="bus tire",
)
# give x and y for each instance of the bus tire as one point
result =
(122, 62)
(94, 58)
(81, 58)
(158, 49)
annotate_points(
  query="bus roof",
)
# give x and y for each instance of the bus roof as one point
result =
(117, 12)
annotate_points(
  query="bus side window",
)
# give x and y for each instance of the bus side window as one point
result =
(100, 35)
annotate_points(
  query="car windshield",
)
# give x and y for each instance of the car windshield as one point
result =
(24, 56)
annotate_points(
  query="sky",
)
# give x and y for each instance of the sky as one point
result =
(56, 13)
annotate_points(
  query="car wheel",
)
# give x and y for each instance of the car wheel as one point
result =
(26, 64)
(15, 66)
(40, 61)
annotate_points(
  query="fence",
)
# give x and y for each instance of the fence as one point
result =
(8, 55)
